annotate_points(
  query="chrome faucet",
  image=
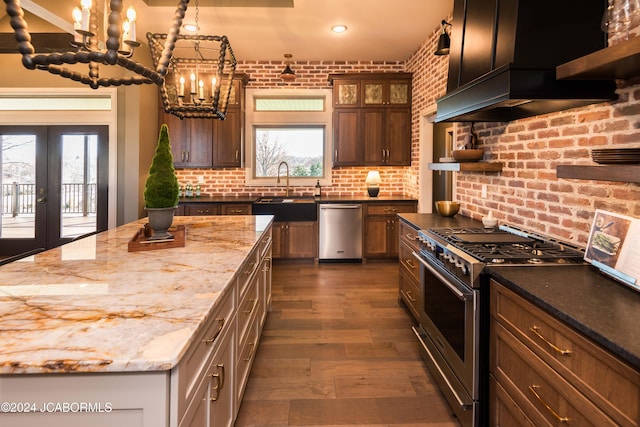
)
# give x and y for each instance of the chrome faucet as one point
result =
(287, 169)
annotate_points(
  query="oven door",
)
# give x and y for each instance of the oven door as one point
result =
(449, 320)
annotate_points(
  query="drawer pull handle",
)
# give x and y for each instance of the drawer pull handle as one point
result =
(213, 338)
(249, 270)
(411, 236)
(252, 306)
(410, 263)
(251, 347)
(560, 419)
(410, 296)
(219, 378)
(535, 330)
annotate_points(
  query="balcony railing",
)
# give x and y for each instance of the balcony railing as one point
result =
(20, 199)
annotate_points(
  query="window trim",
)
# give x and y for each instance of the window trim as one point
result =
(256, 119)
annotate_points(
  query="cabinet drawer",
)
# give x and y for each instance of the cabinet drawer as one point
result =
(235, 209)
(202, 209)
(607, 381)
(544, 396)
(248, 306)
(408, 262)
(246, 272)
(409, 235)
(192, 366)
(409, 292)
(246, 353)
(389, 209)
(505, 412)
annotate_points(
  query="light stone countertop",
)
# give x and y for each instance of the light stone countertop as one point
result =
(92, 306)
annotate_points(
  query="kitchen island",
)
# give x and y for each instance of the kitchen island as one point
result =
(93, 334)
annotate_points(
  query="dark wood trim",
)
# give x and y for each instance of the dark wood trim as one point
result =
(42, 42)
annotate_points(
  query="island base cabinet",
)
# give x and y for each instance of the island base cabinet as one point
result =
(213, 404)
(81, 400)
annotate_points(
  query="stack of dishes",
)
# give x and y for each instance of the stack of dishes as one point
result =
(616, 155)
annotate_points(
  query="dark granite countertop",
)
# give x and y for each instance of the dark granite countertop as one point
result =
(218, 199)
(323, 199)
(602, 309)
(423, 221)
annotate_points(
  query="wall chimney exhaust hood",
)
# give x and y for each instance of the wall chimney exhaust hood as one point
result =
(508, 93)
(504, 53)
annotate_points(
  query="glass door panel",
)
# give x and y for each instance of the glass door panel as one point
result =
(23, 154)
(18, 186)
(78, 186)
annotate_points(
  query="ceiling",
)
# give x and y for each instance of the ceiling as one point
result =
(378, 30)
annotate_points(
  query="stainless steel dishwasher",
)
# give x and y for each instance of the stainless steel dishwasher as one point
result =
(340, 231)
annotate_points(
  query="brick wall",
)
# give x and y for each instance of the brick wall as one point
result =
(310, 75)
(527, 192)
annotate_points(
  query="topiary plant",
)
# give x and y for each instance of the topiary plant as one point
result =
(161, 188)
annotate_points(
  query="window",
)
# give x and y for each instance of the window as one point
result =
(302, 147)
(291, 126)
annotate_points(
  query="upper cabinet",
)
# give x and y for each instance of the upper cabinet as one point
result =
(371, 119)
(209, 143)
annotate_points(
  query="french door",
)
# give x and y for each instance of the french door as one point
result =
(54, 182)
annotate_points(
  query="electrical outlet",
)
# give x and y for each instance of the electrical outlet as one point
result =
(200, 179)
(484, 191)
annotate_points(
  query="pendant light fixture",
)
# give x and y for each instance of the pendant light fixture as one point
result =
(444, 42)
(287, 74)
(199, 82)
(115, 49)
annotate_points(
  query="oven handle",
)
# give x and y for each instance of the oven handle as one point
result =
(464, 406)
(463, 296)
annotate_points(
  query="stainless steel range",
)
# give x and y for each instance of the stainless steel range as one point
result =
(454, 304)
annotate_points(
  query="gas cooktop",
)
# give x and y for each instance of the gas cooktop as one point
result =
(508, 245)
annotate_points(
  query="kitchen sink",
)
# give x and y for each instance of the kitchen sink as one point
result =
(301, 208)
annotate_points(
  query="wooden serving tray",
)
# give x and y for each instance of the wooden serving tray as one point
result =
(139, 242)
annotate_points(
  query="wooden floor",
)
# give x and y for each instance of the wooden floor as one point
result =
(337, 350)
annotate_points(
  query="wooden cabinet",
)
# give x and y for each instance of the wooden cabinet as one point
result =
(205, 208)
(208, 383)
(409, 280)
(235, 208)
(381, 228)
(213, 404)
(207, 143)
(295, 239)
(199, 209)
(544, 373)
(190, 141)
(227, 144)
(371, 119)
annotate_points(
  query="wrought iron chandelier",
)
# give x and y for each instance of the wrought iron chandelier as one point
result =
(196, 85)
(90, 50)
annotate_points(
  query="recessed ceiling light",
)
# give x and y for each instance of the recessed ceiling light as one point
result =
(339, 28)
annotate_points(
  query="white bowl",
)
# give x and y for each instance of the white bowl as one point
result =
(489, 222)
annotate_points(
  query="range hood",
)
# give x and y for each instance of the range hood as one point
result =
(510, 93)
(504, 54)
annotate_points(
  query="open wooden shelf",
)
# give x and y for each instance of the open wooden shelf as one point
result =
(467, 167)
(619, 61)
(618, 173)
